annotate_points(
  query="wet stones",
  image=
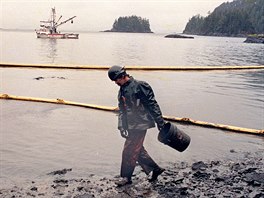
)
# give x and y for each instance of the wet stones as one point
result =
(60, 172)
(39, 78)
(254, 178)
(199, 166)
(52, 77)
(34, 189)
(242, 178)
(201, 175)
(60, 181)
(178, 180)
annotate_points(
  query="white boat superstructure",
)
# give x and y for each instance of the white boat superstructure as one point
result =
(48, 29)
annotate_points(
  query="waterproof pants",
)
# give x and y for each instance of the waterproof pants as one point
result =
(134, 152)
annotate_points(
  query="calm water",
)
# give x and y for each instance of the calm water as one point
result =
(129, 49)
(37, 138)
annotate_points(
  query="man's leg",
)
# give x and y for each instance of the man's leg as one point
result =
(148, 165)
(131, 150)
(146, 162)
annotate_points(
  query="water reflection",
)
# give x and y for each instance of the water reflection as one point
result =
(255, 81)
(129, 50)
(224, 51)
(255, 78)
(48, 50)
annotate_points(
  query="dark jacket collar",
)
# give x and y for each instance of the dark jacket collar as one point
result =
(128, 82)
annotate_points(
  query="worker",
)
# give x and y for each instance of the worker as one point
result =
(138, 111)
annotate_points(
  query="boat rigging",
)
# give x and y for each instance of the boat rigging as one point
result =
(48, 29)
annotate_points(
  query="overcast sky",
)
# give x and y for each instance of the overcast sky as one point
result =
(97, 15)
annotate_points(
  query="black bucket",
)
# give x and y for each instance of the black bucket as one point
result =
(174, 137)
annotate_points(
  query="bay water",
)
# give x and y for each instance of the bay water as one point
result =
(38, 138)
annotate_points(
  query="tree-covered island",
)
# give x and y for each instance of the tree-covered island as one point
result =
(132, 23)
(236, 18)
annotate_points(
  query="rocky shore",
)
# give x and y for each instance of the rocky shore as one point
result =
(255, 39)
(178, 36)
(243, 177)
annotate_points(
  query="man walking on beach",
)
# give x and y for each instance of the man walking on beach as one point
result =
(138, 111)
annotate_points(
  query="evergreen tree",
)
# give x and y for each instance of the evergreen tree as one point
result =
(195, 24)
(231, 18)
(131, 24)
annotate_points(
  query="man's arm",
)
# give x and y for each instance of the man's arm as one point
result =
(147, 97)
(120, 113)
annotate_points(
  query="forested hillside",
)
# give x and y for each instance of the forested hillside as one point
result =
(239, 17)
(131, 24)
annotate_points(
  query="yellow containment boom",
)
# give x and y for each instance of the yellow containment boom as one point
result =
(115, 109)
(57, 101)
(153, 68)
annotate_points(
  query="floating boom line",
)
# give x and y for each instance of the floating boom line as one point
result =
(135, 67)
(115, 109)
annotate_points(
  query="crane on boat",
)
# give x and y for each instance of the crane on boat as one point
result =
(49, 28)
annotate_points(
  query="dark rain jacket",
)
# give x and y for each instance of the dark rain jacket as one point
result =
(138, 108)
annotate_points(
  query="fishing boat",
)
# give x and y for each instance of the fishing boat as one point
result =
(48, 29)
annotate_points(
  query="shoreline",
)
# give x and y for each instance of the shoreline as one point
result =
(243, 177)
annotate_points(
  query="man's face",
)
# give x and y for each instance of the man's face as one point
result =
(120, 81)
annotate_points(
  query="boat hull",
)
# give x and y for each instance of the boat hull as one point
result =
(58, 36)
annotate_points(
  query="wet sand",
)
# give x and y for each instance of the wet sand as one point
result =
(243, 177)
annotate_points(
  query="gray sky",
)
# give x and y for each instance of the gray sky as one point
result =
(164, 16)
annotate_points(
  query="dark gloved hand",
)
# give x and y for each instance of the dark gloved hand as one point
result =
(161, 125)
(124, 133)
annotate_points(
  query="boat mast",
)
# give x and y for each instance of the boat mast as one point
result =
(48, 29)
(53, 19)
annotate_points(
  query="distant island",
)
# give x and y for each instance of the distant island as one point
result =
(132, 24)
(236, 18)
